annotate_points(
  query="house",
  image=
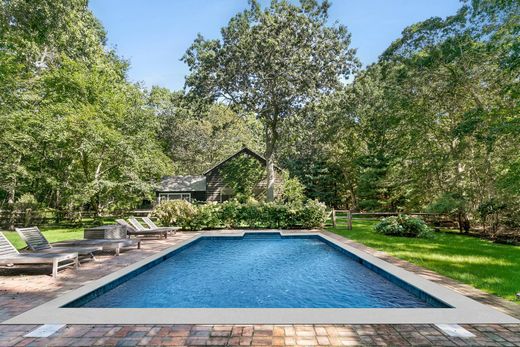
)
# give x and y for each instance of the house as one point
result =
(209, 186)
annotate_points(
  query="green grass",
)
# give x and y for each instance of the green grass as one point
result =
(52, 233)
(492, 267)
(56, 232)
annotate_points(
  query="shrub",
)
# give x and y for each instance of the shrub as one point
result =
(403, 225)
(175, 212)
(250, 214)
(291, 190)
(313, 214)
(229, 211)
(205, 216)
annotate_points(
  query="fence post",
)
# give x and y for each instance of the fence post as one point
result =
(349, 220)
(333, 217)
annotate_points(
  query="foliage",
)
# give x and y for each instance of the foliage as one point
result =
(291, 190)
(195, 138)
(489, 212)
(25, 211)
(322, 150)
(175, 212)
(73, 132)
(205, 216)
(235, 214)
(432, 125)
(448, 203)
(272, 62)
(403, 225)
(27, 201)
(312, 214)
(243, 174)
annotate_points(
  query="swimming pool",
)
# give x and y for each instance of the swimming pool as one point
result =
(327, 281)
(258, 270)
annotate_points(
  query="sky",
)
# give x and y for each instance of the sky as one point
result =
(154, 34)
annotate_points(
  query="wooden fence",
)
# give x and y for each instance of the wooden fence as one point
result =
(432, 218)
(11, 219)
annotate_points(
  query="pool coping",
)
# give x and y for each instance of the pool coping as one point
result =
(463, 309)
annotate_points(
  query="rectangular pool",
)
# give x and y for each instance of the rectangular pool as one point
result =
(258, 270)
(268, 277)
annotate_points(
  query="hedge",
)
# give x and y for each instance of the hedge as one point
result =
(234, 214)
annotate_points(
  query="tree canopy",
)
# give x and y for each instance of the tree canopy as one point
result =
(433, 125)
(74, 132)
(272, 62)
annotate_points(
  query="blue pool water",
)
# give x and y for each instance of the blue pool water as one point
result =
(265, 270)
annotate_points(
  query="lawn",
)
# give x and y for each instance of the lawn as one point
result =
(494, 268)
(56, 232)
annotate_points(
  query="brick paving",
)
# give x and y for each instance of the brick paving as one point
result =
(23, 289)
(261, 335)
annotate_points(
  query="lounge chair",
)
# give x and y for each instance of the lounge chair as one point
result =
(152, 225)
(10, 256)
(139, 226)
(34, 238)
(107, 244)
(139, 230)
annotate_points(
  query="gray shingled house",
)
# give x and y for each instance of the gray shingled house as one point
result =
(206, 187)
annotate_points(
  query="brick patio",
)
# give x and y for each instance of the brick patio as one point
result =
(23, 289)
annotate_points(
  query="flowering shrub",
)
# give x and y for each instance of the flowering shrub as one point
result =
(175, 212)
(234, 214)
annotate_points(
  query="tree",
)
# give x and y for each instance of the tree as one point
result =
(438, 116)
(272, 62)
(324, 142)
(197, 138)
(74, 133)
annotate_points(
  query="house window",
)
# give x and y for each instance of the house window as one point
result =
(174, 196)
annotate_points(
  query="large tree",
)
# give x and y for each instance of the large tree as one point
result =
(196, 139)
(74, 133)
(438, 116)
(272, 62)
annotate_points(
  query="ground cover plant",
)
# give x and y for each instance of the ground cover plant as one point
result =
(482, 264)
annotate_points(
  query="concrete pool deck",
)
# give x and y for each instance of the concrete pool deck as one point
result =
(21, 293)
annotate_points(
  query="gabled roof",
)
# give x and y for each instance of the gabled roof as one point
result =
(182, 184)
(198, 183)
(243, 150)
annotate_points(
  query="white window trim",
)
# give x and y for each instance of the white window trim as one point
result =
(174, 196)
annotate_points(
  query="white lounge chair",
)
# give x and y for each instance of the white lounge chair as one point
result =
(152, 225)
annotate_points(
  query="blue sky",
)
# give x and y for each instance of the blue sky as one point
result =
(154, 34)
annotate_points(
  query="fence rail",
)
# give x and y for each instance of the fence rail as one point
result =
(11, 219)
(432, 217)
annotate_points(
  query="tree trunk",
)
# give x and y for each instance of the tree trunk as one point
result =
(270, 177)
(459, 218)
(10, 206)
(270, 143)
